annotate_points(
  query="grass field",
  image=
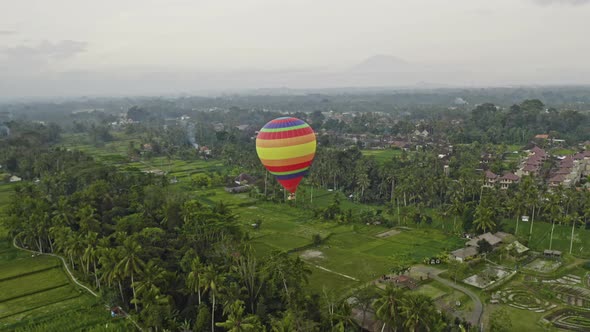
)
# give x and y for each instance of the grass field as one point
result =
(349, 249)
(382, 156)
(36, 290)
(562, 152)
(561, 237)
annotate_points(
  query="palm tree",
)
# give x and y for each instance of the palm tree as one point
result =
(286, 324)
(152, 303)
(530, 194)
(457, 205)
(586, 207)
(516, 206)
(131, 263)
(483, 218)
(236, 322)
(387, 307)
(363, 182)
(213, 281)
(150, 277)
(574, 219)
(195, 277)
(417, 312)
(342, 316)
(60, 235)
(91, 254)
(62, 212)
(249, 271)
(88, 219)
(75, 247)
(555, 210)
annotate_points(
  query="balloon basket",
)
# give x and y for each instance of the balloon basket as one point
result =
(291, 197)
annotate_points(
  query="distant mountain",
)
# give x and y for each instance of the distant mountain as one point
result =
(383, 64)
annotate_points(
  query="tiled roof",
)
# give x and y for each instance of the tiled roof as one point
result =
(510, 177)
(491, 175)
(491, 238)
(465, 252)
(557, 178)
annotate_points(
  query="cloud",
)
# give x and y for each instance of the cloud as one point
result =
(7, 32)
(562, 2)
(45, 49)
(41, 56)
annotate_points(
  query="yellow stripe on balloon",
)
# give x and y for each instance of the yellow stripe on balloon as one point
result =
(277, 143)
(278, 153)
(289, 161)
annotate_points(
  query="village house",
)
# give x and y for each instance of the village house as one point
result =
(507, 180)
(489, 237)
(557, 180)
(401, 145)
(244, 179)
(490, 179)
(464, 254)
(470, 250)
(205, 150)
(487, 158)
(237, 189)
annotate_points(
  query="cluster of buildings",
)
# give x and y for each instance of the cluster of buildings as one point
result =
(567, 173)
(570, 169)
(533, 163)
(470, 250)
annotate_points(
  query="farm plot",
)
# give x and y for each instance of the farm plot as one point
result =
(35, 291)
(570, 319)
(543, 265)
(382, 156)
(522, 299)
(486, 277)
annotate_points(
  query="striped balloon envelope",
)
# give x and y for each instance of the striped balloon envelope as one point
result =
(286, 147)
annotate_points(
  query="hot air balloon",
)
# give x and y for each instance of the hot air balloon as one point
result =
(286, 147)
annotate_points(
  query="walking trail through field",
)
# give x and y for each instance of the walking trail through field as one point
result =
(71, 275)
(340, 274)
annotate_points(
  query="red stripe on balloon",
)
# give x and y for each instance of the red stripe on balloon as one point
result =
(285, 134)
(291, 184)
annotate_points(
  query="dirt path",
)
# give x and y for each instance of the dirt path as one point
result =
(477, 313)
(328, 270)
(71, 276)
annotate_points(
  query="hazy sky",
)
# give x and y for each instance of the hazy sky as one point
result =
(42, 38)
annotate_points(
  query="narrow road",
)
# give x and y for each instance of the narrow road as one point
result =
(476, 314)
(71, 276)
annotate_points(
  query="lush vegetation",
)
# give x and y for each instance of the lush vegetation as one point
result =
(138, 210)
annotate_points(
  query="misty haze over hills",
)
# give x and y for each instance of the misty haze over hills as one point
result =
(385, 71)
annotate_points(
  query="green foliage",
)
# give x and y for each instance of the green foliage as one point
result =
(484, 246)
(500, 321)
(201, 180)
(317, 239)
(203, 319)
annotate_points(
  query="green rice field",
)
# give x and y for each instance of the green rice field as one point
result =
(37, 295)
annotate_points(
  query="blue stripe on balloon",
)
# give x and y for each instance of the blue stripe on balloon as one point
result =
(274, 125)
(291, 176)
